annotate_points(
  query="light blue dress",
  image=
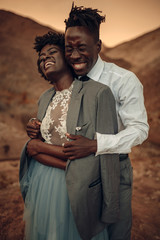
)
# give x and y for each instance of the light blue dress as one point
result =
(47, 212)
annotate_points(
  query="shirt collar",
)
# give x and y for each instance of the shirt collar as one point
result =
(97, 69)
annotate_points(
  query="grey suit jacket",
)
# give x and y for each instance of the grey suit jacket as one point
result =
(93, 181)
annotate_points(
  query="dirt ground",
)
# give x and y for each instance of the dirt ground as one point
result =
(146, 195)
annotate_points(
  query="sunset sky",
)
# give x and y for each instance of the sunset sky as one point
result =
(125, 19)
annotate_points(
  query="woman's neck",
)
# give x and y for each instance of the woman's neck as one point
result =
(63, 83)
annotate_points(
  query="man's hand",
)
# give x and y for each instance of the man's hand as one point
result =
(79, 147)
(33, 128)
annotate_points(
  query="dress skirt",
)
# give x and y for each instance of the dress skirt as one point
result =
(47, 212)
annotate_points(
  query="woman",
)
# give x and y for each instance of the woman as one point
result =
(75, 107)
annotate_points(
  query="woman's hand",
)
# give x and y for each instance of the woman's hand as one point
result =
(33, 128)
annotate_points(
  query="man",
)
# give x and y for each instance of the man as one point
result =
(82, 47)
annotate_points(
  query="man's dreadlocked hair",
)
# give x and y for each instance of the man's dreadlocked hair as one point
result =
(86, 17)
(49, 38)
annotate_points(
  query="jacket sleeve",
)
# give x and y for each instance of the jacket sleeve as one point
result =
(23, 176)
(24, 158)
(109, 163)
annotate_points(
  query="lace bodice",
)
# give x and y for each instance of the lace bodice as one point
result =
(53, 127)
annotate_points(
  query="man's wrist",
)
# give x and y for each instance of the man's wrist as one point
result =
(93, 146)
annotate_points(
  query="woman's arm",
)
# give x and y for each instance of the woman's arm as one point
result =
(36, 146)
(50, 161)
(47, 154)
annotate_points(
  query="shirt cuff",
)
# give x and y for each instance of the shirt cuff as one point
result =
(109, 144)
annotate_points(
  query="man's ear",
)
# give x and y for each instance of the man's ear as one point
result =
(99, 44)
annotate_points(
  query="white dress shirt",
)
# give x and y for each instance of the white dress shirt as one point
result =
(131, 113)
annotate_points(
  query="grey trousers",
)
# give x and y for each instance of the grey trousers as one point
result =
(121, 230)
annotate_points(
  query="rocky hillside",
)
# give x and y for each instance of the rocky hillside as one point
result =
(21, 85)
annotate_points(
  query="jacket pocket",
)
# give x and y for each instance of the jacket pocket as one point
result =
(94, 202)
(96, 182)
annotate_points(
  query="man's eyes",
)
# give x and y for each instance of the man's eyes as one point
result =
(69, 49)
(80, 49)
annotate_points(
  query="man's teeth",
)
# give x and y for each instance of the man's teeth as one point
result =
(78, 65)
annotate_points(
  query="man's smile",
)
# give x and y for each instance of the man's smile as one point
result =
(78, 66)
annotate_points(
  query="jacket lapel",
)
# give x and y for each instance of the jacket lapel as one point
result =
(44, 102)
(74, 107)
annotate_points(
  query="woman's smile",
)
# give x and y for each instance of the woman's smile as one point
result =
(48, 64)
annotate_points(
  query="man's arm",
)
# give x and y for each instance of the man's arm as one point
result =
(132, 115)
